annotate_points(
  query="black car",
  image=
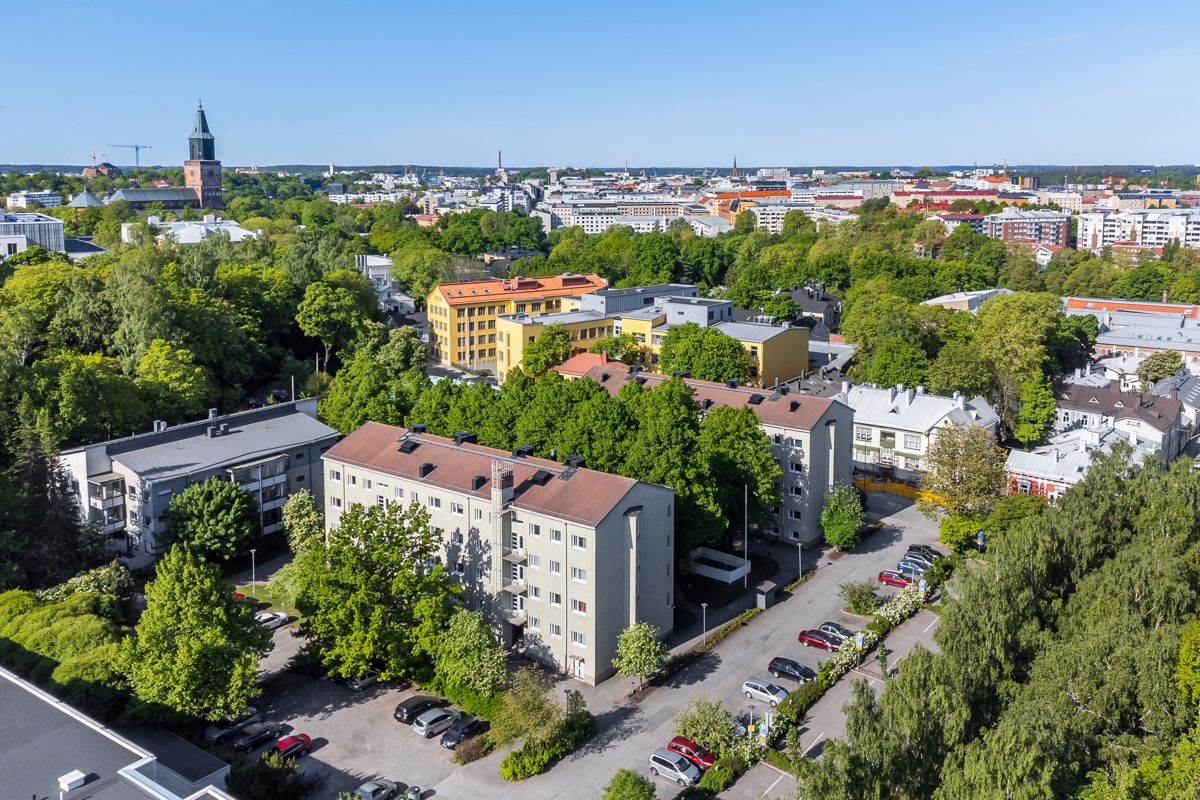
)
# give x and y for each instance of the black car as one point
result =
(415, 706)
(466, 727)
(927, 551)
(781, 667)
(255, 734)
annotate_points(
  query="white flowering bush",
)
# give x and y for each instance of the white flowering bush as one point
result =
(906, 603)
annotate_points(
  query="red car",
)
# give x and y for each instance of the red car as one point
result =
(890, 577)
(813, 638)
(293, 746)
(692, 752)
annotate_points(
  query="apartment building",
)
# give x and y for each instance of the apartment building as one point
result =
(895, 426)
(1053, 468)
(462, 316)
(21, 229)
(1149, 228)
(562, 558)
(810, 438)
(125, 486)
(966, 301)
(1040, 227)
(1154, 420)
(46, 199)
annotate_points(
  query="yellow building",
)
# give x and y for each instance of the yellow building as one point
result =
(777, 353)
(462, 316)
(516, 331)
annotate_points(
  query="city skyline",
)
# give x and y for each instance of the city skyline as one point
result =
(553, 86)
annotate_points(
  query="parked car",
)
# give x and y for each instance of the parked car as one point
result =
(919, 558)
(674, 766)
(412, 793)
(223, 729)
(692, 752)
(835, 631)
(408, 710)
(255, 734)
(814, 638)
(910, 567)
(434, 721)
(763, 689)
(271, 619)
(368, 678)
(376, 790)
(931, 552)
(890, 577)
(463, 728)
(293, 746)
(781, 667)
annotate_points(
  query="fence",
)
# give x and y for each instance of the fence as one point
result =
(901, 489)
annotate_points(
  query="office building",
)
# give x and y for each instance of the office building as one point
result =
(23, 200)
(1149, 228)
(810, 438)
(1039, 227)
(22, 229)
(562, 558)
(124, 486)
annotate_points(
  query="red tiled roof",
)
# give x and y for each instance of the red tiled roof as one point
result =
(578, 364)
(585, 497)
(519, 288)
(796, 411)
(1095, 304)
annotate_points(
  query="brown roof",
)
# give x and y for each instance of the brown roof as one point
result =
(519, 288)
(578, 364)
(1161, 412)
(584, 496)
(795, 411)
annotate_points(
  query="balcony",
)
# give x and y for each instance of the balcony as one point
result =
(517, 588)
(113, 527)
(105, 503)
(515, 557)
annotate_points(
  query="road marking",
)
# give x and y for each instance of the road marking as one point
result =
(930, 625)
(764, 795)
(816, 742)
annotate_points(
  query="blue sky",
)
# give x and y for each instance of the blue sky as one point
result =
(599, 83)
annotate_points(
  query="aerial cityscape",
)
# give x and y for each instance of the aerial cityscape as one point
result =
(820, 425)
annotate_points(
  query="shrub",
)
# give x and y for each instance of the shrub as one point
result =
(537, 753)
(707, 723)
(796, 705)
(779, 761)
(471, 750)
(524, 763)
(719, 777)
(475, 703)
(958, 532)
(842, 516)
(860, 596)
(720, 634)
(270, 777)
(629, 785)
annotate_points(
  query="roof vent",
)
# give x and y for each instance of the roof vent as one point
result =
(211, 431)
(682, 374)
(573, 461)
(72, 780)
(465, 437)
(732, 383)
(792, 406)
(477, 482)
(706, 403)
(523, 451)
(541, 477)
(755, 399)
(418, 428)
(212, 413)
(426, 468)
(641, 380)
(603, 377)
(409, 445)
(224, 428)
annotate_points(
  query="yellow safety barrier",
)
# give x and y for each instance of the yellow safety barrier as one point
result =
(901, 489)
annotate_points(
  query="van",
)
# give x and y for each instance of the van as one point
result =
(673, 766)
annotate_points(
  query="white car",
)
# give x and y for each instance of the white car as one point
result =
(434, 721)
(762, 689)
(271, 619)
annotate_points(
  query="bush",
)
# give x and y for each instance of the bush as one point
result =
(956, 532)
(721, 633)
(475, 703)
(860, 596)
(536, 754)
(719, 777)
(471, 750)
(779, 761)
(268, 778)
(796, 705)
(520, 764)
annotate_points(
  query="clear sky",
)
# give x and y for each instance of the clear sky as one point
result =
(576, 82)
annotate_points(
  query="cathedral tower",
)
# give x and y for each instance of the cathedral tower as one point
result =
(202, 170)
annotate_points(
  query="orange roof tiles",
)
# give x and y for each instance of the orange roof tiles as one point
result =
(519, 288)
(578, 364)
(1095, 304)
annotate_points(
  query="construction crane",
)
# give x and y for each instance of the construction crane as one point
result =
(94, 156)
(137, 151)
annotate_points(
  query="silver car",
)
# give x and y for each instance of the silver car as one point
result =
(223, 729)
(434, 721)
(376, 790)
(673, 766)
(271, 619)
(762, 689)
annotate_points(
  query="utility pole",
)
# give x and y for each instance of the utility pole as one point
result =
(746, 532)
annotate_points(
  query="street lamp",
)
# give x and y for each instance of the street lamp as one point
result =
(704, 621)
(253, 571)
(799, 561)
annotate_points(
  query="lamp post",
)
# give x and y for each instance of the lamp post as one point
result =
(704, 621)
(746, 532)
(799, 561)
(253, 570)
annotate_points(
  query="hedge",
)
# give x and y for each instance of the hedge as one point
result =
(536, 755)
(474, 703)
(719, 776)
(723, 632)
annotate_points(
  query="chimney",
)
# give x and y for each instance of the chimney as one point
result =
(224, 429)
(417, 428)
(477, 482)
(920, 390)
(159, 425)
(212, 413)
(1078, 373)
(846, 387)
(1164, 295)
(574, 461)
(731, 383)
(211, 431)
(425, 469)
(891, 394)
(465, 437)
(523, 451)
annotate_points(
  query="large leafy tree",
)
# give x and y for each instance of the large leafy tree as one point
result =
(707, 353)
(639, 651)
(965, 466)
(330, 313)
(739, 455)
(1036, 414)
(1158, 366)
(195, 648)
(897, 361)
(842, 516)
(376, 596)
(214, 519)
(469, 656)
(551, 347)
(175, 386)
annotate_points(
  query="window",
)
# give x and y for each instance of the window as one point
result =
(793, 513)
(535, 562)
(555, 536)
(535, 530)
(796, 467)
(555, 630)
(535, 592)
(578, 542)
(381, 501)
(555, 599)
(435, 502)
(534, 623)
(578, 574)
(416, 498)
(578, 638)
(367, 483)
(479, 513)
(336, 502)
(912, 442)
(400, 492)
(795, 491)
(579, 607)
(299, 456)
(334, 475)
(862, 434)
(555, 567)
(456, 509)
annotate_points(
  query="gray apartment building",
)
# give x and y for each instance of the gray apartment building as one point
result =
(561, 557)
(125, 485)
(810, 439)
(22, 229)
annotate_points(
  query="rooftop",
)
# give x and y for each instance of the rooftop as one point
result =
(556, 318)
(915, 410)
(579, 364)
(518, 288)
(579, 495)
(752, 331)
(1160, 412)
(28, 217)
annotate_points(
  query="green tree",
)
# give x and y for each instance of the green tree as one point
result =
(89, 398)
(626, 784)
(897, 361)
(1037, 411)
(469, 656)
(1187, 669)
(195, 649)
(303, 521)
(331, 314)
(375, 597)
(739, 455)
(213, 519)
(745, 222)
(859, 596)
(960, 368)
(1158, 366)
(640, 652)
(707, 723)
(842, 517)
(551, 347)
(624, 348)
(782, 307)
(175, 386)
(270, 777)
(528, 709)
(965, 467)
(706, 353)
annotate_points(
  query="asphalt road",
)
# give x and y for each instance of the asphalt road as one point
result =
(356, 737)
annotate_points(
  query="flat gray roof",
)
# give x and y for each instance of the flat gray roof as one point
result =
(750, 331)
(561, 317)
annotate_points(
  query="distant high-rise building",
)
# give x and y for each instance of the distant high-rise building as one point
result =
(202, 170)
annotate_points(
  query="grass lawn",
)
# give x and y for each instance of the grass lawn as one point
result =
(267, 599)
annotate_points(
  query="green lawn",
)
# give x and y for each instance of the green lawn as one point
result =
(267, 599)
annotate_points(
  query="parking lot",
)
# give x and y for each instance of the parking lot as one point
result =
(356, 737)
